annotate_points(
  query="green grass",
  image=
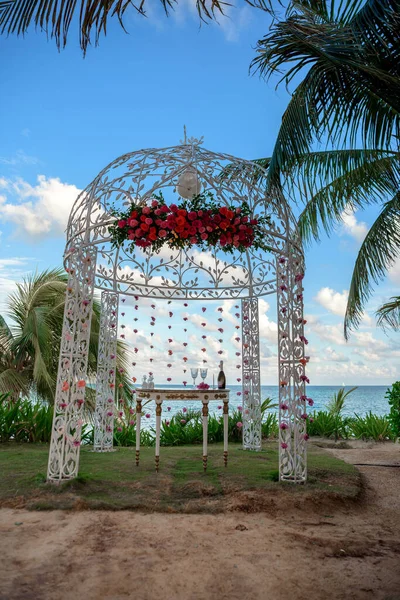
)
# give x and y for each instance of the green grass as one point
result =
(112, 481)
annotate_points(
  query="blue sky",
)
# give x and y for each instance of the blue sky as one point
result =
(63, 118)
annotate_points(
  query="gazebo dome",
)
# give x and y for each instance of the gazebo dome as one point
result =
(134, 178)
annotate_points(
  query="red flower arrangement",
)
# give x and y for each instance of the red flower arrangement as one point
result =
(198, 222)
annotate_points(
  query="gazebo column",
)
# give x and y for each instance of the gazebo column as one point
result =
(106, 367)
(72, 369)
(251, 375)
(292, 378)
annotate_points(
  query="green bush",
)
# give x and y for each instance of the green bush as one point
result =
(186, 427)
(393, 397)
(24, 421)
(371, 427)
(327, 424)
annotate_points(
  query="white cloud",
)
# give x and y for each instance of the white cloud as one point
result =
(331, 354)
(333, 301)
(19, 158)
(40, 210)
(336, 303)
(357, 229)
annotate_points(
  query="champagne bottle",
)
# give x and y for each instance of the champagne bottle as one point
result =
(221, 377)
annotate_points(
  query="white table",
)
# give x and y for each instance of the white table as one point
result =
(170, 394)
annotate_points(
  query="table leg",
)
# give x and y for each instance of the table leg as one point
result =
(205, 432)
(138, 423)
(158, 427)
(226, 423)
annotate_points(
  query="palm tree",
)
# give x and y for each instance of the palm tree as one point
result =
(29, 348)
(55, 18)
(389, 314)
(346, 55)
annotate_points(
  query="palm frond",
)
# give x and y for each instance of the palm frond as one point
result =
(378, 251)
(56, 18)
(389, 314)
(352, 83)
(334, 181)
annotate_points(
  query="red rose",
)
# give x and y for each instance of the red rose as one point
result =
(149, 221)
(134, 214)
(144, 227)
(154, 203)
(174, 208)
(192, 215)
(121, 224)
(162, 233)
(204, 236)
(146, 210)
(182, 212)
(133, 223)
(164, 208)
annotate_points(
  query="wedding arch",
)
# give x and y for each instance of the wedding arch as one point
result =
(93, 261)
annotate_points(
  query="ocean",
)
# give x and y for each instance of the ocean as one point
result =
(364, 399)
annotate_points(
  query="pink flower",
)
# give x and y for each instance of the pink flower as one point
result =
(239, 425)
(131, 423)
(304, 378)
(184, 409)
(148, 415)
(310, 402)
(283, 425)
(284, 406)
(168, 408)
(184, 383)
(76, 443)
(240, 408)
(167, 423)
(306, 437)
(63, 405)
(219, 407)
(284, 445)
(109, 413)
(304, 416)
(119, 429)
(65, 386)
(183, 422)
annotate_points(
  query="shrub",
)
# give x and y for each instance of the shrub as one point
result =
(327, 424)
(371, 427)
(24, 421)
(393, 397)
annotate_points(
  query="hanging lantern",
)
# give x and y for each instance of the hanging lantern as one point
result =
(188, 184)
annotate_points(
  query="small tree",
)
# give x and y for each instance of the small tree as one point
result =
(393, 397)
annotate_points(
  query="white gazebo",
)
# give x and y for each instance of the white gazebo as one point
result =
(93, 262)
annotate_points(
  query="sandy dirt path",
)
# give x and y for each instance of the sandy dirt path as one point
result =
(351, 553)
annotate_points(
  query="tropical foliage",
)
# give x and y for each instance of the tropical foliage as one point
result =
(30, 339)
(344, 57)
(16, 16)
(393, 397)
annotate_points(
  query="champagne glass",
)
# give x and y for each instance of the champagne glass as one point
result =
(194, 373)
(203, 374)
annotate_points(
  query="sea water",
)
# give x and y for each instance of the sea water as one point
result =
(364, 399)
